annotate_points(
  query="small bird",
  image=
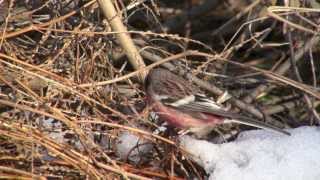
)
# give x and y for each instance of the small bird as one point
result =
(181, 104)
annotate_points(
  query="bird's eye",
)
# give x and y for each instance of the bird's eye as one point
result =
(147, 81)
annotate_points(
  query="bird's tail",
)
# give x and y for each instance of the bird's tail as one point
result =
(258, 124)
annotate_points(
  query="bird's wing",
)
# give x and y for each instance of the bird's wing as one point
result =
(199, 103)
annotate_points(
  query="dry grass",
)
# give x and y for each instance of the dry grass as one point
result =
(68, 92)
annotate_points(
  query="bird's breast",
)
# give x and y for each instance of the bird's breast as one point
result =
(181, 119)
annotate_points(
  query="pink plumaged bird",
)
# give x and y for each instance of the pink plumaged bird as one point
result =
(180, 103)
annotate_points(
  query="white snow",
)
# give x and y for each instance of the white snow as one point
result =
(261, 155)
(132, 147)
